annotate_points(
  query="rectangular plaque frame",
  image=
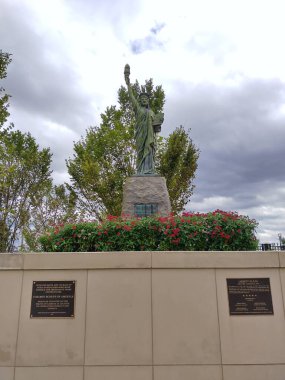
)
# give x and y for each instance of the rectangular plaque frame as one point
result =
(145, 209)
(249, 296)
(53, 299)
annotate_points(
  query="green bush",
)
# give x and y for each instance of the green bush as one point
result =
(215, 231)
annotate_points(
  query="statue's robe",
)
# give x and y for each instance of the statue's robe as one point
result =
(145, 140)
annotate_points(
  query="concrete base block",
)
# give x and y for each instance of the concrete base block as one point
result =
(146, 190)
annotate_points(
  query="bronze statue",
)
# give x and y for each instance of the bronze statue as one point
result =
(147, 125)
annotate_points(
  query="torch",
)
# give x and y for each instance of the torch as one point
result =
(127, 72)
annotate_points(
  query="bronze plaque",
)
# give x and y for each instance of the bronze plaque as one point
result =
(145, 209)
(249, 296)
(53, 299)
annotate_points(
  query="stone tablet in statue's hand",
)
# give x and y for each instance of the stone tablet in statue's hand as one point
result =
(157, 121)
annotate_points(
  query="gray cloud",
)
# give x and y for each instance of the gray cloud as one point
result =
(46, 95)
(40, 78)
(150, 42)
(240, 132)
(157, 28)
(241, 126)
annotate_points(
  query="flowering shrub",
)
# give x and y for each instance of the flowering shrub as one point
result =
(214, 231)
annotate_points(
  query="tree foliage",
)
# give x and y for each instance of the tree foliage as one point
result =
(29, 202)
(24, 174)
(5, 59)
(54, 207)
(102, 160)
(177, 162)
(105, 157)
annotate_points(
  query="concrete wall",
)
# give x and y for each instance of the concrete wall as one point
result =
(141, 316)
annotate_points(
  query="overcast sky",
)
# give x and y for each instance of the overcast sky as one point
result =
(221, 64)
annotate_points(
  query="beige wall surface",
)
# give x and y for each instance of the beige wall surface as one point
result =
(49, 373)
(118, 373)
(186, 372)
(141, 316)
(185, 317)
(7, 373)
(251, 339)
(254, 372)
(118, 320)
(52, 341)
(10, 298)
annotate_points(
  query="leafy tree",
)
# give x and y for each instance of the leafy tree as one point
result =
(105, 157)
(4, 98)
(101, 163)
(177, 162)
(24, 174)
(54, 207)
(29, 203)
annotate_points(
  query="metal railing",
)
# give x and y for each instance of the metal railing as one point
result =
(271, 247)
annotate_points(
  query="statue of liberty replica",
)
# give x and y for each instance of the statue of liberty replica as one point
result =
(145, 193)
(147, 125)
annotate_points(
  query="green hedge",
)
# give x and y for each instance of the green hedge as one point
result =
(214, 231)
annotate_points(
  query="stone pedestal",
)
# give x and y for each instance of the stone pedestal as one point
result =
(146, 193)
